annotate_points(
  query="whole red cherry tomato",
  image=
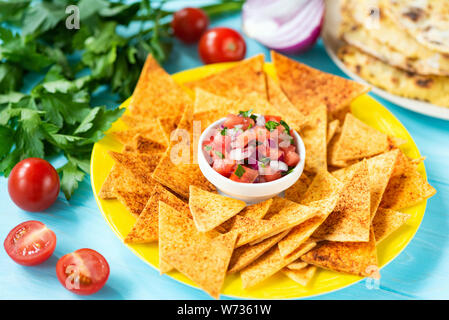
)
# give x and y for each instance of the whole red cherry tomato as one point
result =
(33, 184)
(189, 24)
(30, 243)
(83, 271)
(221, 45)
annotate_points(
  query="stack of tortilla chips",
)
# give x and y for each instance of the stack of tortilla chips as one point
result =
(400, 46)
(355, 181)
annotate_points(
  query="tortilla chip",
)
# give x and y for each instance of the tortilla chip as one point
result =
(168, 125)
(380, 168)
(258, 210)
(358, 140)
(314, 138)
(277, 98)
(302, 276)
(201, 258)
(134, 201)
(406, 190)
(359, 258)
(287, 215)
(246, 254)
(350, 220)
(146, 228)
(302, 232)
(157, 94)
(239, 80)
(270, 263)
(260, 105)
(308, 88)
(133, 185)
(387, 221)
(332, 129)
(324, 185)
(209, 107)
(404, 163)
(209, 210)
(138, 169)
(297, 265)
(255, 211)
(117, 177)
(297, 191)
(164, 266)
(206, 118)
(179, 177)
(107, 188)
(140, 144)
(150, 131)
(207, 101)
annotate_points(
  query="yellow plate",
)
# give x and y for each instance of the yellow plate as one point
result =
(278, 286)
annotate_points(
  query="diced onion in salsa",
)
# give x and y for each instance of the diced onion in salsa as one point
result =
(251, 148)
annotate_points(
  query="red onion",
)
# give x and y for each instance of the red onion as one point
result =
(272, 143)
(284, 25)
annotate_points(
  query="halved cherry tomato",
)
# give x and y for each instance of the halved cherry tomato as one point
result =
(225, 167)
(30, 243)
(247, 177)
(221, 45)
(83, 271)
(189, 24)
(33, 184)
(291, 158)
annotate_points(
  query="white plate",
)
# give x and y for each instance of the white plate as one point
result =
(332, 44)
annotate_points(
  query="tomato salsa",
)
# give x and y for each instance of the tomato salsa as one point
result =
(252, 148)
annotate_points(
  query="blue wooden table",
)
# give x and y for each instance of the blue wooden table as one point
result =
(419, 272)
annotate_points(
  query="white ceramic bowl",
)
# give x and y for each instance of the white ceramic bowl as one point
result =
(249, 192)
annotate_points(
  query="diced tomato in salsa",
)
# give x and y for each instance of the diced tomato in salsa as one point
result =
(247, 176)
(225, 167)
(233, 120)
(291, 158)
(243, 151)
(272, 118)
(221, 143)
(272, 175)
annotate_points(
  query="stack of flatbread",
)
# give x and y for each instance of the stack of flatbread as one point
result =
(355, 182)
(401, 46)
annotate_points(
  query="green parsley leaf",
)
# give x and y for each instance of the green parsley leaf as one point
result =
(12, 10)
(7, 139)
(10, 77)
(285, 125)
(26, 54)
(271, 125)
(290, 169)
(71, 175)
(224, 131)
(265, 160)
(240, 171)
(207, 148)
(42, 17)
(246, 114)
(219, 154)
